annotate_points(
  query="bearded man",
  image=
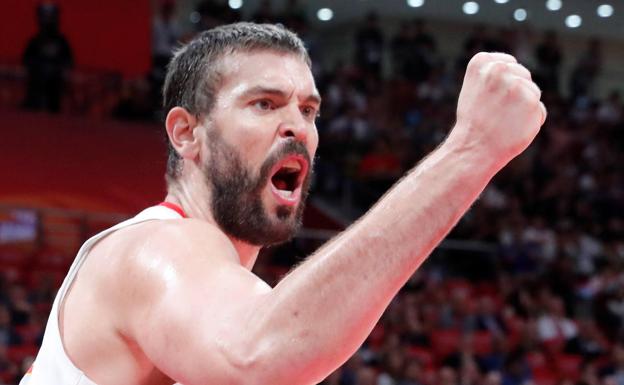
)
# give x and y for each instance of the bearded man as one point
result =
(168, 296)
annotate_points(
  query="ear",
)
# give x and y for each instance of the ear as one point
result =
(180, 125)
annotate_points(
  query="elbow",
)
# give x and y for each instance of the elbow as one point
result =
(246, 366)
(262, 366)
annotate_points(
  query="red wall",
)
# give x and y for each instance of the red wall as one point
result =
(105, 35)
(79, 163)
(89, 165)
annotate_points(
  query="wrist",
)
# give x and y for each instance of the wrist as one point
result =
(479, 157)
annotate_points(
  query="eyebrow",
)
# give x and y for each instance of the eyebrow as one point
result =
(261, 90)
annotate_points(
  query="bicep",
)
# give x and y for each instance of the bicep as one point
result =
(194, 332)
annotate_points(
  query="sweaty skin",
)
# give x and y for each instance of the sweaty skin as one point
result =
(175, 301)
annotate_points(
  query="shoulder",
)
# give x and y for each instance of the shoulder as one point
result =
(171, 239)
(175, 244)
(142, 264)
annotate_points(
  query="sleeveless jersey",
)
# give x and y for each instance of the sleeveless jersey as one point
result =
(52, 365)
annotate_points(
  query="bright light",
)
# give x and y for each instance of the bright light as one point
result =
(235, 4)
(605, 10)
(415, 3)
(470, 7)
(573, 21)
(325, 14)
(553, 5)
(501, 1)
(520, 14)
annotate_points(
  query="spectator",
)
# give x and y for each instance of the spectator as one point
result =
(264, 13)
(412, 373)
(214, 13)
(549, 57)
(47, 58)
(517, 370)
(413, 51)
(8, 336)
(614, 370)
(447, 376)
(610, 110)
(586, 70)
(166, 35)
(369, 46)
(554, 325)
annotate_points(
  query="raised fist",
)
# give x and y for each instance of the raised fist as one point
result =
(499, 111)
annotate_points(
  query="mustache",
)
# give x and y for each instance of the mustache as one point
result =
(290, 147)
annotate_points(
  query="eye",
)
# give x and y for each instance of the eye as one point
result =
(309, 112)
(263, 104)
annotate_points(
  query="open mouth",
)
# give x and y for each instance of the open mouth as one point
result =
(287, 177)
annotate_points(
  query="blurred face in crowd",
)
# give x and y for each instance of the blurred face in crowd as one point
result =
(493, 378)
(447, 376)
(260, 141)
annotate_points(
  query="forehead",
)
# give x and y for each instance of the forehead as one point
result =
(244, 70)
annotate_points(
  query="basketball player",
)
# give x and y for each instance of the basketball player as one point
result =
(168, 296)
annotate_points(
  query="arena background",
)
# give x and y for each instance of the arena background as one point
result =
(528, 288)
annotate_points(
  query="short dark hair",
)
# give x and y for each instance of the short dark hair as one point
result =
(193, 74)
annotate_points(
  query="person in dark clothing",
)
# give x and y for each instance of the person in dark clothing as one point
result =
(549, 58)
(47, 59)
(369, 44)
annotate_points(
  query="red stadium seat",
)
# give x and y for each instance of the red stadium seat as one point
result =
(460, 286)
(19, 352)
(569, 365)
(444, 342)
(544, 376)
(536, 359)
(28, 333)
(423, 355)
(482, 342)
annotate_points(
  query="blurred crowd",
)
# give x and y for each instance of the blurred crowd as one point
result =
(544, 305)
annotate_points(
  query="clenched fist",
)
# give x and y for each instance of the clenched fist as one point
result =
(499, 111)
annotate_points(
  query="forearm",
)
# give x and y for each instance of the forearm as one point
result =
(318, 316)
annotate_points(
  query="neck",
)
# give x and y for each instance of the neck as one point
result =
(200, 209)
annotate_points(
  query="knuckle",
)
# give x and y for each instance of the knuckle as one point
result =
(528, 96)
(494, 73)
(515, 90)
(522, 70)
(480, 57)
(509, 57)
(479, 60)
(499, 68)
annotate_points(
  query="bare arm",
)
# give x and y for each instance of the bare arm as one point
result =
(316, 317)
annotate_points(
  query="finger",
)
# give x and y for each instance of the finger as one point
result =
(519, 70)
(528, 84)
(496, 72)
(502, 57)
(482, 59)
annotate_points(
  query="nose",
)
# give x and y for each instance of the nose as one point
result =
(294, 126)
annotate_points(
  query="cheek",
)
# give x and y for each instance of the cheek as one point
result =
(313, 143)
(250, 136)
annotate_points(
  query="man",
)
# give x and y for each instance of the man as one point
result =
(173, 300)
(47, 60)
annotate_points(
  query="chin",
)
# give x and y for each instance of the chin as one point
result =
(284, 226)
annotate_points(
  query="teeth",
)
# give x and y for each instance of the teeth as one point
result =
(285, 193)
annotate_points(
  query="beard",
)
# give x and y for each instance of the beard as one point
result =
(236, 199)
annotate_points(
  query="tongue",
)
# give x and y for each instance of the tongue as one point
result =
(280, 184)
